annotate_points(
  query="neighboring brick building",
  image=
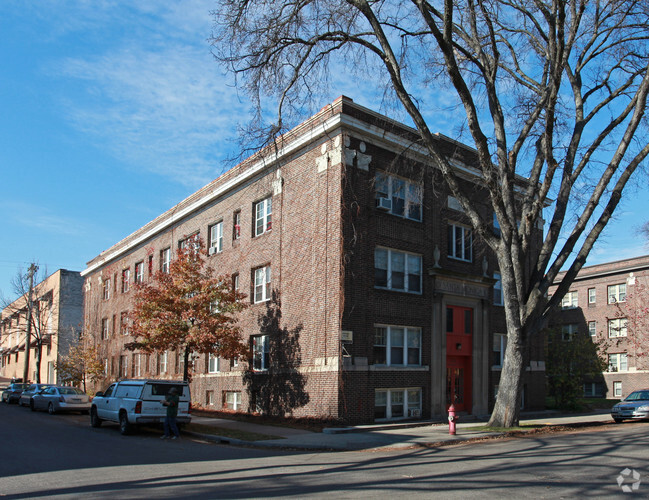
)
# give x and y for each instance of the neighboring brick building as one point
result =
(58, 316)
(387, 303)
(609, 301)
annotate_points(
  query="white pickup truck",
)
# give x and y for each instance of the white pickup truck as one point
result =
(134, 402)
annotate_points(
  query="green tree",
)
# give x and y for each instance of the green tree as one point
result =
(81, 364)
(551, 90)
(188, 309)
(569, 360)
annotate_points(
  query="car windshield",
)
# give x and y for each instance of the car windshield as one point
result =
(638, 396)
(69, 390)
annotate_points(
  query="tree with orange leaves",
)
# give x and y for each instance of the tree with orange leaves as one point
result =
(188, 309)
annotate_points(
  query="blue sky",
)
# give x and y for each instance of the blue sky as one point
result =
(112, 112)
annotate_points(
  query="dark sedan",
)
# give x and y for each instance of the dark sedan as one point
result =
(634, 407)
(12, 393)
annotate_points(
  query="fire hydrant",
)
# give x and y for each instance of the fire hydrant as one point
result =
(452, 419)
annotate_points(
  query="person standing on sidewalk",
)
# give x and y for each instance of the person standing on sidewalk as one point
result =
(171, 402)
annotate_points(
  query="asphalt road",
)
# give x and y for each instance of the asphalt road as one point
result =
(61, 456)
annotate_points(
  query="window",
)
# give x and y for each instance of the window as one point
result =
(126, 278)
(216, 238)
(263, 211)
(190, 242)
(139, 272)
(398, 196)
(567, 331)
(617, 327)
(162, 363)
(617, 362)
(209, 398)
(123, 373)
(617, 293)
(123, 323)
(165, 260)
(500, 344)
(617, 389)
(260, 352)
(107, 289)
(262, 284)
(592, 328)
(397, 270)
(593, 390)
(592, 296)
(235, 281)
(104, 329)
(232, 400)
(137, 365)
(236, 225)
(397, 345)
(212, 364)
(150, 265)
(397, 403)
(460, 242)
(570, 300)
(498, 290)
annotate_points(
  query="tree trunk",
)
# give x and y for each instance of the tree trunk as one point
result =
(506, 412)
(37, 361)
(186, 367)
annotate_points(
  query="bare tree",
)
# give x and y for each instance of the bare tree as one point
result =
(35, 303)
(554, 91)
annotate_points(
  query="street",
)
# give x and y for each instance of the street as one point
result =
(61, 456)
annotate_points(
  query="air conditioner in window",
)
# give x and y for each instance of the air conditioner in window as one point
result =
(384, 204)
(414, 413)
(211, 251)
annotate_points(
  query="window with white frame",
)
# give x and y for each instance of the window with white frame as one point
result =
(235, 281)
(232, 400)
(498, 290)
(104, 328)
(260, 352)
(107, 289)
(460, 242)
(139, 272)
(617, 327)
(209, 398)
(570, 300)
(213, 364)
(126, 280)
(165, 260)
(617, 362)
(398, 196)
(397, 403)
(617, 389)
(162, 362)
(137, 365)
(617, 293)
(397, 345)
(216, 238)
(567, 331)
(123, 366)
(190, 242)
(592, 329)
(236, 225)
(592, 295)
(500, 344)
(123, 324)
(263, 211)
(262, 284)
(396, 270)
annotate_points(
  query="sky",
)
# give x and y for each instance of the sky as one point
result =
(111, 112)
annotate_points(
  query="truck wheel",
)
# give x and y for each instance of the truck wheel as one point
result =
(95, 421)
(618, 420)
(50, 409)
(124, 426)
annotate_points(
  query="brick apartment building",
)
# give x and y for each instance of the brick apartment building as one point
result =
(609, 301)
(58, 316)
(365, 284)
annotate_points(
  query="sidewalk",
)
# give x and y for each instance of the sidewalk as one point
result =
(398, 435)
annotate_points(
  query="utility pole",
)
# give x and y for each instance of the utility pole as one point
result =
(33, 268)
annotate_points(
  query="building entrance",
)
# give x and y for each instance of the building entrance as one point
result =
(459, 347)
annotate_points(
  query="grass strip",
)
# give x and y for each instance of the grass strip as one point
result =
(229, 433)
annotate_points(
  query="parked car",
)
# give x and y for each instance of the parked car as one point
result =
(59, 399)
(27, 394)
(134, 402)
(634, 407)
(12, 393)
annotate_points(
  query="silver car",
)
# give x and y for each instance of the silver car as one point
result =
(634, 407)
(27, 394)
(58, 399)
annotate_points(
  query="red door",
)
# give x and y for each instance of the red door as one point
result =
(459, 346)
